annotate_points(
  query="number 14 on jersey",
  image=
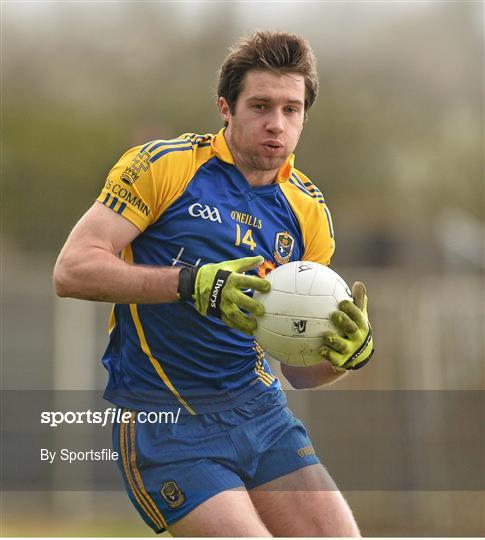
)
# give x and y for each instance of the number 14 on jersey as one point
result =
(244, 237)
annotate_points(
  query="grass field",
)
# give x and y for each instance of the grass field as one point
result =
(107, 514)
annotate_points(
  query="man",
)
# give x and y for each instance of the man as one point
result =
(237, 463)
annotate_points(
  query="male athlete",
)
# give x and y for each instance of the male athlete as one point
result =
(198, 221)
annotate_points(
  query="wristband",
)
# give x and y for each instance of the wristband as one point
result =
(186, 285)
(215, 297)
(362, 364)
(359, 352)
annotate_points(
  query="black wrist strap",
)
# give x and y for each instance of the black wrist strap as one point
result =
(213, 307)
(362, 364)
(186, 286)
(359, 352)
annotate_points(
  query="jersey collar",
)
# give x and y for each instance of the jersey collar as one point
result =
(221, 150)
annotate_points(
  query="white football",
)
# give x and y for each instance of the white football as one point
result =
(297, 311)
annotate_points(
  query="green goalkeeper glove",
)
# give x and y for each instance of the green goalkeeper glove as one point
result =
(352, 346)
(216, 291)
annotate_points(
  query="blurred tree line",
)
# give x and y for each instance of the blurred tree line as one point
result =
(395, 136)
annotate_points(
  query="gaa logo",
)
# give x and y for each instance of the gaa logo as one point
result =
(203, 211)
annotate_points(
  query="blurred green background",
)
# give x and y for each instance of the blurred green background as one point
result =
(395, 142)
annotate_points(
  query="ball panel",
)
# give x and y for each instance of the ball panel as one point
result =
(284, 281)
(298, 307)
(305, 276)
(291, 350)
(324, 281)
(293, 326)
(342, 291)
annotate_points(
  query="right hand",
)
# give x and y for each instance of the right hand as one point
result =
(217, 292)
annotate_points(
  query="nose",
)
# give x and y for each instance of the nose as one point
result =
(275, 122)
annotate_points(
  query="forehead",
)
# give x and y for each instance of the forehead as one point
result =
(277, 86)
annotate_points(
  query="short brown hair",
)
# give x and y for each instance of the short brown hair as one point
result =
(274, 51)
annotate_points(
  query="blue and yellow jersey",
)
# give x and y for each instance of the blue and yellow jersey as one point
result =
(193, 206)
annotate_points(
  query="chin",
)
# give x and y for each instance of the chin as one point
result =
(267, 163)
(274, 163)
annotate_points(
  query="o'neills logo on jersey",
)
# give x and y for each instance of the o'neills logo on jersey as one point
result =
(283, 247)
(205, 212)
(247, 219)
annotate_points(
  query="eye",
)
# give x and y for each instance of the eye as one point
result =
(292, 110)
(259, 107)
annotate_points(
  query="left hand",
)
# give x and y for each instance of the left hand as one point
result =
(352, 346)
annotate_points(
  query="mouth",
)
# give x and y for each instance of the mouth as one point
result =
(273, 146)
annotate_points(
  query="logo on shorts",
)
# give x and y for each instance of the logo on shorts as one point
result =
(283, 247)
(306, 451)
(172, 494)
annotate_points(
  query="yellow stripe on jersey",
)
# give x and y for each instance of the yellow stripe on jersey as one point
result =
(128, 255)
(147, 179)
(155, 363)
(266, 381)
(112, 320)
(179, 168)
(263, 376)
(160, 523)
(313, 216)
(138, 478)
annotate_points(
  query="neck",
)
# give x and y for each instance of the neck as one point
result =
(254, 177)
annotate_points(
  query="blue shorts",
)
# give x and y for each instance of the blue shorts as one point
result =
(171, 468)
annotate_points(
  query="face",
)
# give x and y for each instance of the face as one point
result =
(267, 120)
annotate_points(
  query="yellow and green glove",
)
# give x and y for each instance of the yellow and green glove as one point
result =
(216, 291)
(352, 346)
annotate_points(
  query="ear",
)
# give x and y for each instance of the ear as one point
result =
(224, 109)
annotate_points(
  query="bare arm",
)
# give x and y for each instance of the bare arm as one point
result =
(312, 376)
(89, 268)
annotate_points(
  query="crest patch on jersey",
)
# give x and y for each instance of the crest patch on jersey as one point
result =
(172, 494)
(283, 247)
(140, 163)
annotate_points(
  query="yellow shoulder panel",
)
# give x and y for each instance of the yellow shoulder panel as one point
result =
(148, 178)
(309, 206)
